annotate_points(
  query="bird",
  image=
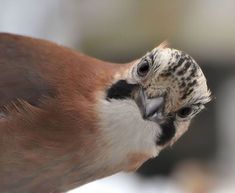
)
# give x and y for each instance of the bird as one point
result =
(67, 119)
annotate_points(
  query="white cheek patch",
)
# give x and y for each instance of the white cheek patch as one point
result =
(125, 131)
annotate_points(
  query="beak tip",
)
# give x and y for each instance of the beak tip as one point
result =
(150, 108)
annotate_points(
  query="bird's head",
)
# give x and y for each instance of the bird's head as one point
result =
(167, 87)
(171, 89)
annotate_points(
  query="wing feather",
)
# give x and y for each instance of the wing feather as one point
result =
(20, 77)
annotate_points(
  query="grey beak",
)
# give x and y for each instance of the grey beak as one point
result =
(150, 108)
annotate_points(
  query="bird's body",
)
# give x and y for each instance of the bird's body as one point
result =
(67, 119)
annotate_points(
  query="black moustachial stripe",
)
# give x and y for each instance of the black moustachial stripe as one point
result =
(120, 90)
(168, 131)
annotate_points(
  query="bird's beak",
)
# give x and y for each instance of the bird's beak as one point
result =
(150, 108)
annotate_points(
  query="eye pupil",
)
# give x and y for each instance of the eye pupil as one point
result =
(184, 112)
(143, 68)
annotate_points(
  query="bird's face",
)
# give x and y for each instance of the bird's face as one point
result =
(169, 89)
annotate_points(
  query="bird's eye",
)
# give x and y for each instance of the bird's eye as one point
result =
(184, 112)
(143, 68)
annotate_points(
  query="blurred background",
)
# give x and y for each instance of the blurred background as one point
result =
(203, 161)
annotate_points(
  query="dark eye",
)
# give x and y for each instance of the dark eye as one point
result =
(184, 112)
(143, 68)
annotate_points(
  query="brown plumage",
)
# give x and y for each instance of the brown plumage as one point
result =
(42, 132)
(54, 130)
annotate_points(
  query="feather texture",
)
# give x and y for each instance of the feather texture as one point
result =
(49, 132)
